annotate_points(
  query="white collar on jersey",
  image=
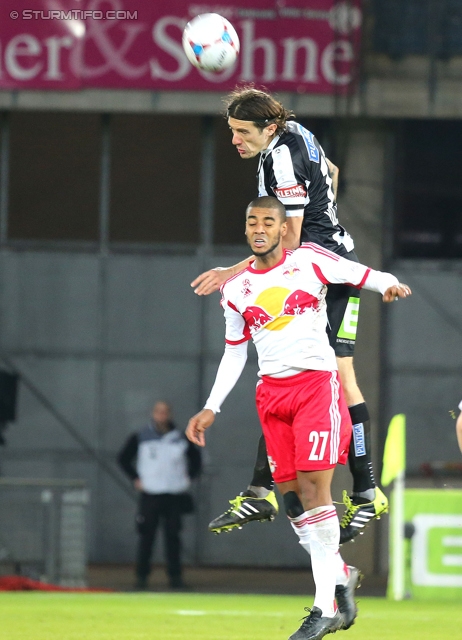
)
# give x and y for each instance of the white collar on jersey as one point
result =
(270, 147)
(265, 153)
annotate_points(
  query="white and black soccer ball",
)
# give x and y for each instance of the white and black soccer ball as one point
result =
(211, 42)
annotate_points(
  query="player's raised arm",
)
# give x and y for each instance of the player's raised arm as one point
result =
(211, 280)
(333, 173)
(333, 269)
(396, 291)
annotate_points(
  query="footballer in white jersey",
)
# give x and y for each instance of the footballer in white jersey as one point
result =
(283, 308)
(278, 301)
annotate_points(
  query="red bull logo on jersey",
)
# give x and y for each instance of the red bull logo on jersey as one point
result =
(290, 271)
(276, 307)
(295, 191)
(256, 318)
(298, 302)
(272, 464)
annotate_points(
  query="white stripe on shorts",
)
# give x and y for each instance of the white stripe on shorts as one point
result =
(335, 418)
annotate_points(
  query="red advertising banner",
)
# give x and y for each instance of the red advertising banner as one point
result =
(287, 45)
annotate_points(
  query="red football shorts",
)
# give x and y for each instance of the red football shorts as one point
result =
(305, 421)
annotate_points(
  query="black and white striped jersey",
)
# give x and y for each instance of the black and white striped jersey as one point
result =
(294, 169)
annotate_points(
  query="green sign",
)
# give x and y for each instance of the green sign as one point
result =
(349, 324)
(434, 554)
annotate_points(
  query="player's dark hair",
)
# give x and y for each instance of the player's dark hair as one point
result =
(268, 202)
(248, 103)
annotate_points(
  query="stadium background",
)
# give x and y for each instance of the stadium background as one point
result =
(113, 200)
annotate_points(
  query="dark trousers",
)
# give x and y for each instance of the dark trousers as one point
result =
(156, 510)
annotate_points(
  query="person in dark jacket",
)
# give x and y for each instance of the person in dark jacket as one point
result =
(161, 464)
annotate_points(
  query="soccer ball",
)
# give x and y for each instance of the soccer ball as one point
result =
(210, 42)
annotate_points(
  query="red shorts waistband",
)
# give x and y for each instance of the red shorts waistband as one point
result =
(291, 380)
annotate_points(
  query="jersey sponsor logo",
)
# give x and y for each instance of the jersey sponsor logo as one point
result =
(276, 307)
(308, 137)
(246, 290)
(349, 324)
(298, 302)
(436, 560)
(359, 439)
(295, 191)
(290, 271)
(256, 318)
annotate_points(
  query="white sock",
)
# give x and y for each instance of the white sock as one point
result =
(342, 571)
(260, 492)
(369, 494)
(324, 534)
(300, 526)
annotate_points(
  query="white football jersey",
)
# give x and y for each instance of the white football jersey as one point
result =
(283, 308)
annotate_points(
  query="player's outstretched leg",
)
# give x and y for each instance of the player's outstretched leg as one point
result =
(318, 533)
(367, 501)
(258, 502)
(246, 507)
(359, 512)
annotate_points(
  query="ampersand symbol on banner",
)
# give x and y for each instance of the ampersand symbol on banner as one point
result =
(97, 31)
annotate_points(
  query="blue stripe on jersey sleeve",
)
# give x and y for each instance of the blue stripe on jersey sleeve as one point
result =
(308, 137)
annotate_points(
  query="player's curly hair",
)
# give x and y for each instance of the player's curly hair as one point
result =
(257, 106)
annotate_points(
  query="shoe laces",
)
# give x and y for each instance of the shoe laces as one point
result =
(235, 503)
(309, 618)
(351, 510)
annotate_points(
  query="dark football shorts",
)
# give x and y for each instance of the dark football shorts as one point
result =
(342, 315)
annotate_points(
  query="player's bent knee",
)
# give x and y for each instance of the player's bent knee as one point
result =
(292, 505)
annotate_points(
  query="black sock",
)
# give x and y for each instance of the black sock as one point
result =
(292, 505)
(261, 472)
(359, 456)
